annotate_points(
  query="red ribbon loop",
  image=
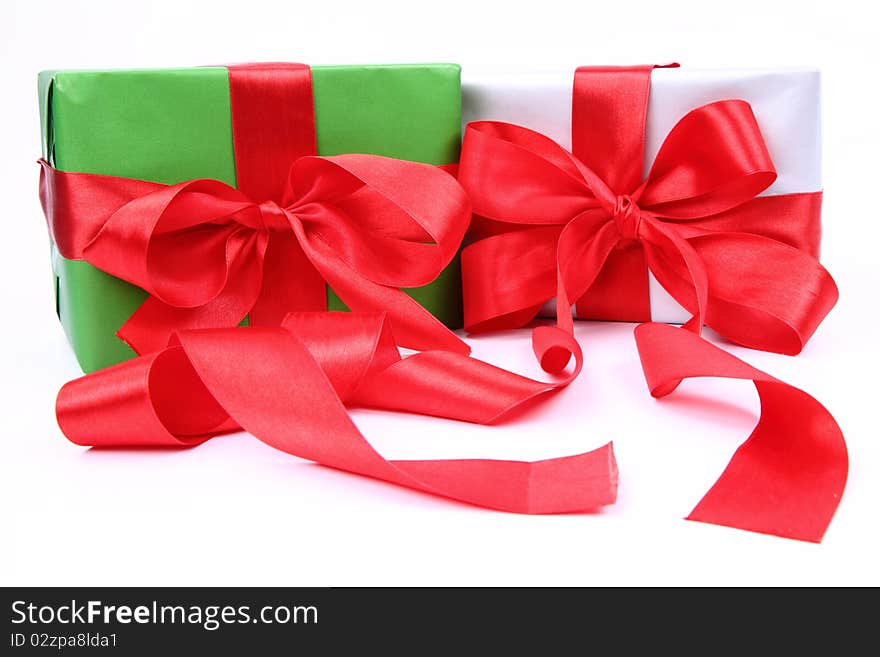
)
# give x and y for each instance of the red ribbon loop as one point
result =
(208, 255)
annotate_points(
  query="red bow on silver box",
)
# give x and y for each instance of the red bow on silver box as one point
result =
(741, 264)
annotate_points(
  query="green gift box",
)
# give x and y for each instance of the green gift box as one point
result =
(173, 125)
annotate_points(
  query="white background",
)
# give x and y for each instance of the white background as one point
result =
(236, 512)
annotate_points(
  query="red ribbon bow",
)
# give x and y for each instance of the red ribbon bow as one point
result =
(740, 264)
(208, 255)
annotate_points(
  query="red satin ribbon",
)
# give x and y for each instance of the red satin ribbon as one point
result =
(608, 105)
(273, 124)
(209, 254)
(289, 387)
(788, 477)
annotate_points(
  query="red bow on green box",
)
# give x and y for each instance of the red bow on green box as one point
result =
(209, 254)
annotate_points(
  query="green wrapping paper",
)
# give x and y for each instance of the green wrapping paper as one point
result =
(173, 125)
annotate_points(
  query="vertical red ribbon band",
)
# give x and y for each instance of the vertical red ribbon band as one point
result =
(273, 125)
(608, 116)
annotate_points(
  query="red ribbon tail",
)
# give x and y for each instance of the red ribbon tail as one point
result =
(788, 477)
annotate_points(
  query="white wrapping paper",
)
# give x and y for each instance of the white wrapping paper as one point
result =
(785, 102)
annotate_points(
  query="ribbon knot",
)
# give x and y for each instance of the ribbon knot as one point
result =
(627, 217)
(272, 218)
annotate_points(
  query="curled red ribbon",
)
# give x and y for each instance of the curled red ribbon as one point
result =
(289, 386)
(788, 477)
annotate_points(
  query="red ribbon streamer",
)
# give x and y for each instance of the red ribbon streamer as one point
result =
(289, 386)
(209, 254)
(788, 477)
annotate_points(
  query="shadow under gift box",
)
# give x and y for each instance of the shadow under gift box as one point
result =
(172, 125)
(786, 103)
